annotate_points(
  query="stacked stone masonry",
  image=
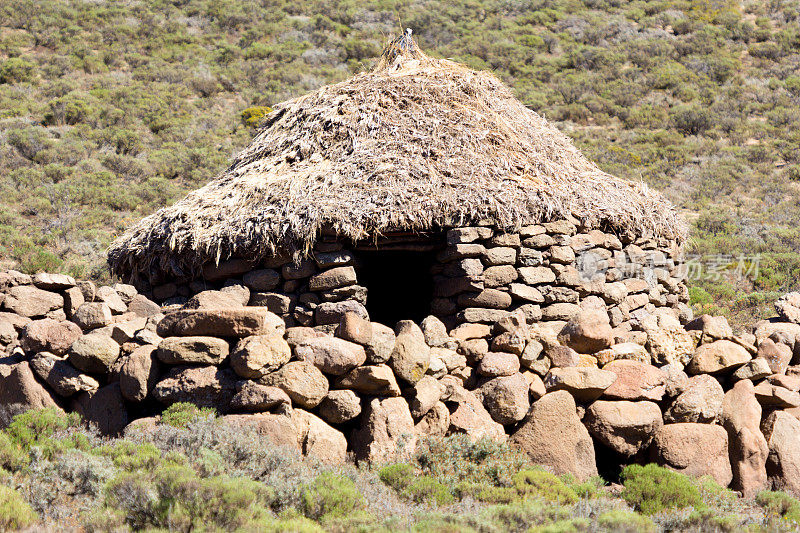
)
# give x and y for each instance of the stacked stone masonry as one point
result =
(549, 271)
(573, 394)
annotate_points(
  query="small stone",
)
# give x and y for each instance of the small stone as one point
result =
(411, 356)
(588, 332)
(386, 430)
(213, 300)
(103, 409)
(562, 356)
(332, 312)
(434, 331)
(53, 282)
(337, 258)
(470, 331)
(381, 345)
(536, 275)
(499, 276)
(277, 303)
(333, 278)
(232, 268)
(500, 255)
(425, 394)
(777, 356)
(623, 351)
(488, 298)
(113, 300)
(770, 395)
(143, 307)
(560, 311)
(754, 370)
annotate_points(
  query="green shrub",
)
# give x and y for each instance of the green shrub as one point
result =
(544, 485)
(12, 457)
(37, 425)
(620, 521)
(691, 119)
(16, 69)
(181, 414)
(415, 487)
(331, 495)
(652, 489)
(15, 513)
(780, 505)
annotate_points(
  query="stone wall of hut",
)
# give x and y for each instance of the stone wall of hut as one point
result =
(549, 271)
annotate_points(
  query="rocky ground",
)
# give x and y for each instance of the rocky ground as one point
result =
(696, 398)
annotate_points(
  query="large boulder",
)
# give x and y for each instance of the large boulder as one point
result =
(777, 355)
(92, 315)
(506, 398)
(48, 335)
(29, 301)
(782, 432)
(205, 386)
(586, 384)
(53, 282)
(635, 381)
(469, 416)
(625, 427)
(257, 355)
(19, 389)
(701, 402)
(435, 423)
(386, 431)
(788, 307)
(305, 384)
(552, 435)
(192, 350)
(694, 450)
(255, 397)
(718, 357)
(139, 373)
(424, 395)
(331, 355)
(775, 396)
(278, 429)
(94, 353)
(215, 300)
(411, 356)
(62, 376)
(104, 409)
(741, 418)
(340, 406)
(588, 332)
(667, 341)
(373, 380)
(242, 322)
(317, 439)
(381, 343)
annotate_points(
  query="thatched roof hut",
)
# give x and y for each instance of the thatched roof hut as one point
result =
(415, 144)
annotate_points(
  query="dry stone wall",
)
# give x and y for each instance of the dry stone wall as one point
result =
(696, 397)
(548, 271)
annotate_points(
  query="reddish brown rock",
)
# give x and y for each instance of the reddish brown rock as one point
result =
(255, 397)
(331, 355)
(240, 323)
(386, 431)
(340, 406)
(635, 381)
(355, 328)
(205, 386)
(192, 350)
(61, 376)
(373, 380)
(562, 356)
(255, 356)
(19, 390)
(319, 440)
(506, 398)
(718, 357)
(94, 353)
(778, 356)
(470, 416)
(28, 301)
(701, 402)
(411, 356)
(104, 409)
(625, 427)
(585, 384)
(139, 373)
(48, 335)
(552, 435)
(278, 429)
(770, 395)
(694, 450)
(588, 332)
(303, 382)
(741, 417)
(435, 423)
(496, 364)
(782, 432)
(92, 315)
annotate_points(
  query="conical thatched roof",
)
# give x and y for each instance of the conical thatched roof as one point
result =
(415, 144)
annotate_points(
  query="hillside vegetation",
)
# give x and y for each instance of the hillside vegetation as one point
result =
(110, 110)
(191, 473)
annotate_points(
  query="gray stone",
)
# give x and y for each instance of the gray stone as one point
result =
(94, 353)
(303, 382)
(28, 301)
(255, 356)
(262, 280)
(331, 355)
(340, 406)
(411, 356)
(192, 350)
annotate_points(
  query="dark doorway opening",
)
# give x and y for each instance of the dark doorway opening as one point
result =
(399, 284)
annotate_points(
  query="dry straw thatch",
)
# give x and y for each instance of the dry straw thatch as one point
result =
(415, 144)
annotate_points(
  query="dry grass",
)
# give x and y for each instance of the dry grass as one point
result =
(415, 144)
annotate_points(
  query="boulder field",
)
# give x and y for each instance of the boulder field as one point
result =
(694, 396)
